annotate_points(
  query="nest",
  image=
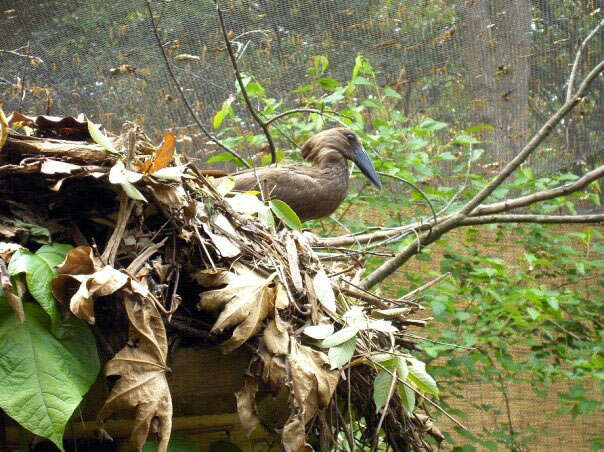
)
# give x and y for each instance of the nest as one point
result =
(162, 251)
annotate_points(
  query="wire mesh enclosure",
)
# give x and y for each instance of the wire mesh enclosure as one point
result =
(504, 63)
(499, 62)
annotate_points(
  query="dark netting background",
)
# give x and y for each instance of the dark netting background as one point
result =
(501, 62)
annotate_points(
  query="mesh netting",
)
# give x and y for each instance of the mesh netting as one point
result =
(500, 62)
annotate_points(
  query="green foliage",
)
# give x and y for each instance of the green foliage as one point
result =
(47, 365)
(285, 214)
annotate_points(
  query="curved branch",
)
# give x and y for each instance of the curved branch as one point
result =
(248, 102)
(523, 201)
(180, 90)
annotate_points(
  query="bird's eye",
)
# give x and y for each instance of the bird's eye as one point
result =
(350, 137)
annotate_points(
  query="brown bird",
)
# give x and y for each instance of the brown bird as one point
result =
(313, 191)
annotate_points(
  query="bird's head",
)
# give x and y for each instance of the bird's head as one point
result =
(346, 143)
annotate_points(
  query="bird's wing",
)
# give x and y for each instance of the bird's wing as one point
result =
(297, 185)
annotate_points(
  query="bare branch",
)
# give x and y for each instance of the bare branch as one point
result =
(573, 72)
(523, 201)
(528, 218)
(21, 55)
(248, 102)
(180, 90)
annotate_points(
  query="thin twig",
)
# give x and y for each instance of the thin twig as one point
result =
(527, 218)
(573, 72)
(181, 92)
(248, 102)
(21, 55)
(415, 187)
(421, 288)
(527, 200)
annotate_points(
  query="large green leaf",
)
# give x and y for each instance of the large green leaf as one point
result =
(422, 379)
(381, 387)
(38, 276)
(341, 354)
(286, 214)
(54, 253)
(44, 378)
(339, 337)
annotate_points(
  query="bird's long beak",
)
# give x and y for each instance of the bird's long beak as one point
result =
(362, 161)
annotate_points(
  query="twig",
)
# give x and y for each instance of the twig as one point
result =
(424, 287)
(21, 55)
(140, 260)
(527, 218)
(415, 187)
(250, 107)
(180, 90)
(113, 244)
(573, 72)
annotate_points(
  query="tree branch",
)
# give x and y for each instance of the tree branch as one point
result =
(573, 72)
(456, 220)
(527, 218)
(180, 90)
(250, 107)
(523, 201)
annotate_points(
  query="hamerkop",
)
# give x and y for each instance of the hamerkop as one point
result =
(313, 191)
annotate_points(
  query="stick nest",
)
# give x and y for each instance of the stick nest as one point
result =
(181, 256)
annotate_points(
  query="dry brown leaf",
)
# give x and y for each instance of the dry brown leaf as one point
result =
(294, 434)
(294, 264)
(162, 156)
(281, 297)
(245, 302)
(13, 299)
(141, 366)
(170, 195)
(79, 281)
(276, 338)
(246, 406)
(7, 250)
(313, 383)
(3, 128)
(225, 246)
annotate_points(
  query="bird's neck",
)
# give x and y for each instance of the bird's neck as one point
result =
(333, 166)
